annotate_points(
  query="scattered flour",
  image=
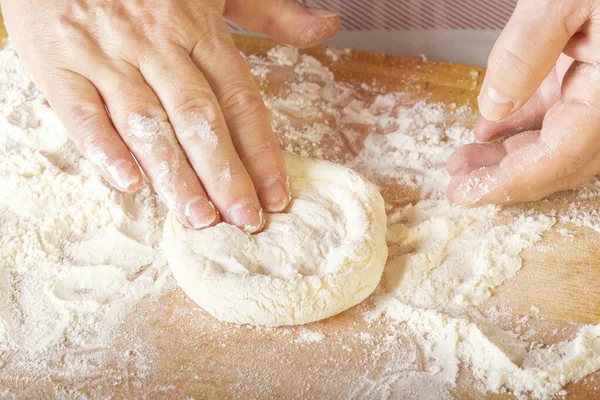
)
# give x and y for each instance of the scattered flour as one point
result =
(283, 55)
(582, 215)
(337, 54)
(77, 256)
(307, 336)
(365, 337)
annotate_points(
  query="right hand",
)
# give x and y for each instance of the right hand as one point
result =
(159, 84)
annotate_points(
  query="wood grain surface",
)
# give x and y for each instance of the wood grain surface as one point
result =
(188, 354)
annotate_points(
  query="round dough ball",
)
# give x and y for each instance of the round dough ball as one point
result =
(325, 254)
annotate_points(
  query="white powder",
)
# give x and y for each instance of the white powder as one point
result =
(201, 129)
(141, 126)
(308, 336)
(284, 55)
(365, 337)
(582, 215)
(225, 175)
(336, 54)
(77, 256)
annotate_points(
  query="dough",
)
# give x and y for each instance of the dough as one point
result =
(324, 255)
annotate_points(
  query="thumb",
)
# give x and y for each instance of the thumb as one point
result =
(285, 21)
(526, 52)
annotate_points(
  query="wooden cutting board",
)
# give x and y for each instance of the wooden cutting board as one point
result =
(188, 354)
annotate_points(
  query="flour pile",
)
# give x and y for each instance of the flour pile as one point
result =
(76, 257)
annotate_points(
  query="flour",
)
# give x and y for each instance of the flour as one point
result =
(337, 54)
(308, 336)
(283, 55)
(202, 130)
(141, 126)
(449, 258)
(77, 256)
(225, 175)
(582, 215)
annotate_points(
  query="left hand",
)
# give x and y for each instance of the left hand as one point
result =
(542, 89)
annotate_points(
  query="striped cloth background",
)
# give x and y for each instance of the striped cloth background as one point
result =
(459, 31)
(365, 15)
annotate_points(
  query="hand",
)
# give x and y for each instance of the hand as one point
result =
(160, 85)
(548, 104)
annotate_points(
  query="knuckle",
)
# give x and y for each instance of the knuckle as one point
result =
(144, 113)
(94, 142)
(211, 39)
(569, 163)
(256, 153)
(194, 106)
(66, 28)
(566, 163)
(147, 23)
(145, 121)
(154, 113)
(84, 115)
(240, 102)
(515, 66)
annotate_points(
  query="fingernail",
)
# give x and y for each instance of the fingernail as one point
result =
(493, 105)
(247, 217)
(201, 213)
(473, 189)
(318, 12)
(274, 194)
(123, 174)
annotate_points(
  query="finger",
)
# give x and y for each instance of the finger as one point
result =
(247, 119)
(528, 118)
(474, 156)
(143, 124)
(286, 21)
(583, 46)
(79, 106)
(201, 129)
(525, 53)
(532, 171)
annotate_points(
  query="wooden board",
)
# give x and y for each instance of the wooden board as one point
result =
(189, 354)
